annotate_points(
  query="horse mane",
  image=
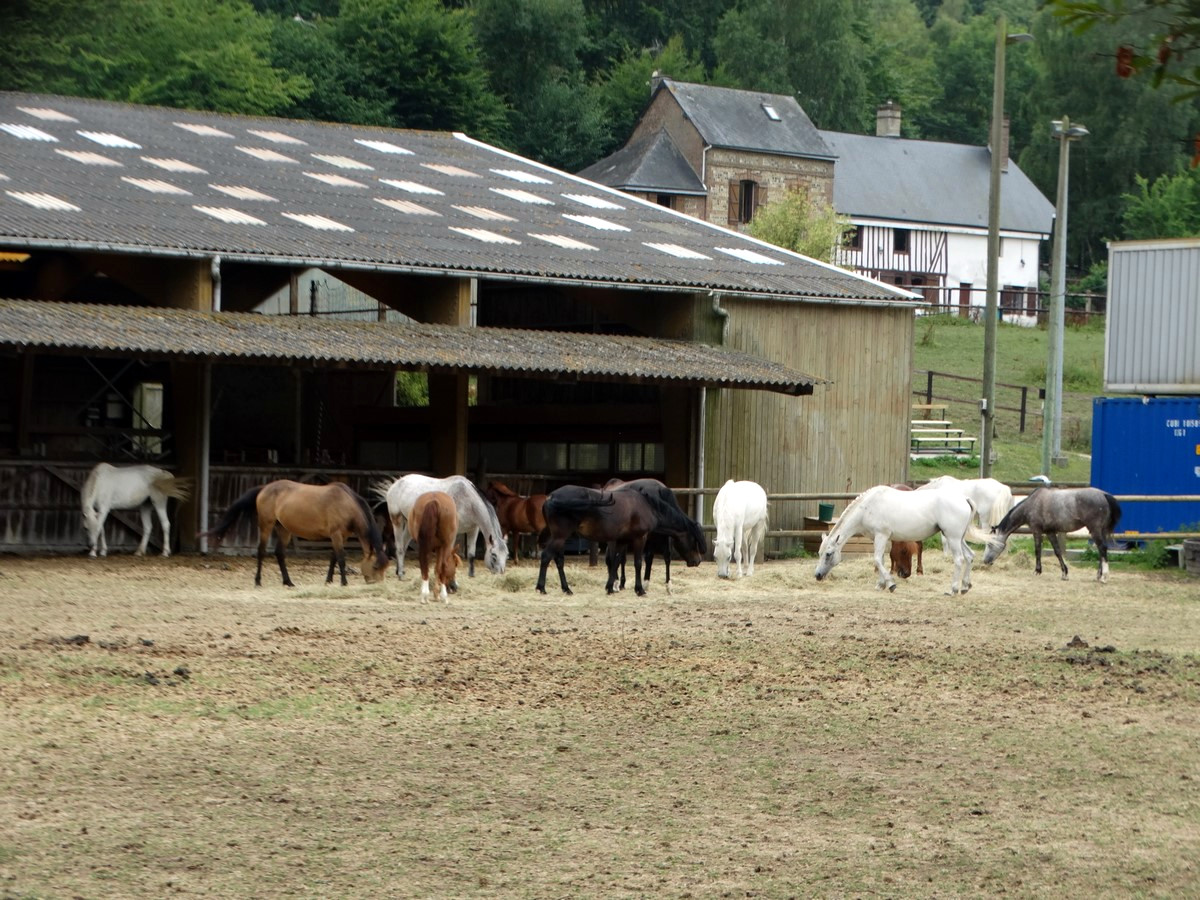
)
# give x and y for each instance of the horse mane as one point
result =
(374, 536)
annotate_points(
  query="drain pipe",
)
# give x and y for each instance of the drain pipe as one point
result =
(202, 475)
(700, 441)
(721, 313)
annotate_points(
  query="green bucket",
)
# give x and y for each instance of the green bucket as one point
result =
(825, 512)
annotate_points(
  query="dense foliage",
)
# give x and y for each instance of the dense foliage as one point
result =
(563, 81)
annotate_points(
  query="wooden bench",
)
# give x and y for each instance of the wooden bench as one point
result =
(930, 423)
(949, 443)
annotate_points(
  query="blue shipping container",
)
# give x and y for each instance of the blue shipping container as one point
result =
(1148, 445)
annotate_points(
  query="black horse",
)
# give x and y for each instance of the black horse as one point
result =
(623, 518)
(675, 528)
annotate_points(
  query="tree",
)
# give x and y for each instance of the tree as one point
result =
(797, 221)
(396, 63)
(197, 54)
(1159, 38)
(1167, 207)
(809, 48)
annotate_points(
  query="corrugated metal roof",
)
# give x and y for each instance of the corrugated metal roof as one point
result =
(248, 337)
(87, 174)
(930, 182)
(740, 120)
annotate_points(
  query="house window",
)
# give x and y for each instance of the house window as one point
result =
(746, 204)
(854, 238)
(667, 200)
(900, 240)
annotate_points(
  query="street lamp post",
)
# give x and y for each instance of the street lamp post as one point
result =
(987, 405)
(1064, 131)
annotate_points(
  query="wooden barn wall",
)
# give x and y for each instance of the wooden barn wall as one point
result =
(847, 435)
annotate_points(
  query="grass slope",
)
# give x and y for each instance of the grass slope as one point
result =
(951, 345)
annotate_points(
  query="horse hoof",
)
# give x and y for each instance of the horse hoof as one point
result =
(568, 591)
(892, 587)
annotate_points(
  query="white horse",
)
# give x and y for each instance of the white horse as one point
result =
(887, 514)
(993, 499)
(475, 515)
(129, 487)
(740, 512)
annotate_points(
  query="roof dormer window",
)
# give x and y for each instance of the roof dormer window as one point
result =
(771, 114)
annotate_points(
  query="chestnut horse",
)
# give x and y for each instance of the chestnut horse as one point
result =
(311, 512)
(518, 515)
(902, 552)
(436, 522)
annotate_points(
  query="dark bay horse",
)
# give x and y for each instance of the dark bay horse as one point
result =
(674, 528)
(614, 517)
(1052, 512)
(518, 514)
(435, 520)
(311, 512)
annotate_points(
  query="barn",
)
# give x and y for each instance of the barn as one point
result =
(158, 304)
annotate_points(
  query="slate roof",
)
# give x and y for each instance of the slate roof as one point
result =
(86, 174)
(650, 164)
(930, 182)
(160, 333)
(738, 120)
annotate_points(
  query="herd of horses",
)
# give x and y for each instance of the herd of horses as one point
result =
(641, 517)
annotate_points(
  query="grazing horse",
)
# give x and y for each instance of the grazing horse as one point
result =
(518, 515)
(129, 487)
(617, 517)
(1054, 511)
(902, 552)
(740, 512)
(890, 514)
(475, 515)
(993, 499)
(674, 528)
(311, 512)
(437, 536)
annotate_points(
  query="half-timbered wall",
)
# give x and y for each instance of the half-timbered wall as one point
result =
(882, 249)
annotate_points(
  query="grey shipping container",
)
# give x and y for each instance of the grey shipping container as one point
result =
(1152, 324)
(1148, 445)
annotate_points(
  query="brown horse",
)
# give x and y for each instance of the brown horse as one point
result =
(620, 518)
(311, 512)
(436, 522)
(674, 528)
(518, 515)
(902, 552)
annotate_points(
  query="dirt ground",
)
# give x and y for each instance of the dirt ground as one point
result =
(168, 728)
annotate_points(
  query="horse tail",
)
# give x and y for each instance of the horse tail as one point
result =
(1114, 513)
(1000, 508)
(169, 485)
(974, 533)
(242, 504)
(381, 487)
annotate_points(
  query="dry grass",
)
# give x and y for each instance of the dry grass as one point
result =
(771, 737)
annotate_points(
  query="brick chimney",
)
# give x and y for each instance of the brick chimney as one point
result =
(887, 120)
(1004, 126)
(656, 79)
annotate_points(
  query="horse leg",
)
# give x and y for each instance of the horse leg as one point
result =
(281, 541)
(885, 577)
(614, 561)
(470, 539)
(263, 537)
(102, 516)
(639, 547)
(1059, 545)
(920, 548)
(161, 508)
(1037, 552)
(1101, 542)
(968, 556)
(739, 536)
(401, 543)
(956, 551)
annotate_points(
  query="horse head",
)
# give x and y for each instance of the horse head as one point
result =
(722, 553)
(497, 556)
(373, 566)
(830, 554)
